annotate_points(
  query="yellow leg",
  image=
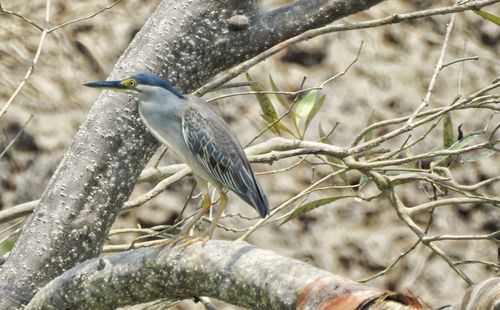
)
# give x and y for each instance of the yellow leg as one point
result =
(205, 207)
(186, 228)
(215, 221)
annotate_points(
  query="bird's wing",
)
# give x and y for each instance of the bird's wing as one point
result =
(217, 149)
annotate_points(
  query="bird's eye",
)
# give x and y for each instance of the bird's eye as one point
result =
(130, 83)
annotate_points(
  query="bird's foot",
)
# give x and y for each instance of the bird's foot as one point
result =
(187, 243)
(165, 243)
(183, 241)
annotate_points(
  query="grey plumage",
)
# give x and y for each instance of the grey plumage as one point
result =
(217, 149)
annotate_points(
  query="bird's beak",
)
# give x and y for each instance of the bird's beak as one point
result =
(111, 85)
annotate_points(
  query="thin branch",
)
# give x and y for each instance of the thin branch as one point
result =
(289, 201)
(460, 73)
(157, 189)
(84, 18)
(396, 18)
(16, 136)
(207, 303)
(45, 32)
(401, 256)
(237, 84)
(29, 21)
(394, 263)
(15, 232)
(9, 228)
(27, 75)
(17, 211)
(493, 236)
(153, 174)
(429, 115)
(402, 211)
(125, 247)
(450, 201)
(428, 155)
(460, 60)
(293, 93)
(437, 70)
(482, 262)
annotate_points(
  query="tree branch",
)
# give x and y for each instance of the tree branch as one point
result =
(235, 272)
(396, 18)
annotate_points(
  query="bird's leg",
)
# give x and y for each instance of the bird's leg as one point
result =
(215, 221)
(205, 207)
(211, 229)
(186, 228)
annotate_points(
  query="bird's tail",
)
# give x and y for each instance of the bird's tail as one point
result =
(260, 200)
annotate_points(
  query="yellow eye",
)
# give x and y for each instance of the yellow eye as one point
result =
(130, 83)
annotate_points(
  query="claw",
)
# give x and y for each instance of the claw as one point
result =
(183, 238)
(172, 242)
(183, 241)
(187, 243)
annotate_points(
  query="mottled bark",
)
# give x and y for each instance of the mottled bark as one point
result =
(235, 272)
(186, 42)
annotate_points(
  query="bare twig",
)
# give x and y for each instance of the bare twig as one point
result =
(108, 7)
(396, 18)
(157, 189)
(493, 236)
(16, 136)
(394, 263)
(45, 31)
(29, 21)
(294, 93)
(450, 201)
(437, 70)
(289, 201)
(29, 72)
(460, 60)
(402, 211)
(17, 211)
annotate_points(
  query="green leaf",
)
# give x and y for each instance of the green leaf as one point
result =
(369, 135)
(362, 180)
(448, 135)
(325, 139)
(281, 99)
(266, 106)
(409, 153)
(456, 146)
(477, 156)
(313, 205)
(316, 107)
(278, 125)
(489, 16)
(305, 106)
(8, 245)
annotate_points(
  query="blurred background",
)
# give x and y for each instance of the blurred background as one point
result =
(352, 238)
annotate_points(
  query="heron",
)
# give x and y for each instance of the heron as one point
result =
(199, 137)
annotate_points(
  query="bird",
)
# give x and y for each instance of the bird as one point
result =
(199, 137)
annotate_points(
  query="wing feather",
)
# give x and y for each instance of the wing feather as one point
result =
(218, 151)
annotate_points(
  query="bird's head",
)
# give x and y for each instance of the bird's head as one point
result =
(143, 84)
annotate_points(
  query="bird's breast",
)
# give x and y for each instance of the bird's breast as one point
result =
(165, 124)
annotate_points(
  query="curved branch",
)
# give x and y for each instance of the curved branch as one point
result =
(235, 272)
